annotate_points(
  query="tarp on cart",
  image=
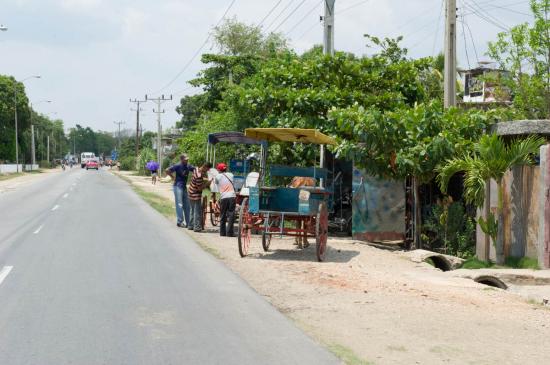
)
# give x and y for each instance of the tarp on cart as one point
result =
(289, 135)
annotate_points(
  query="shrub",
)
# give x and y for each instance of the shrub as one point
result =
(44, 164)
(128, 163)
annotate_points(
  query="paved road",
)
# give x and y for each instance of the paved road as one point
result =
(89, 274)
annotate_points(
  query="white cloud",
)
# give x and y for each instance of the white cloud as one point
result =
(80, 5)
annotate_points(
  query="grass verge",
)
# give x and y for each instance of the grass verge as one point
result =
(511, 263)
(346, 355)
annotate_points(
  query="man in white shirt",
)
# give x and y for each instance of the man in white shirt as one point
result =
(224, 182)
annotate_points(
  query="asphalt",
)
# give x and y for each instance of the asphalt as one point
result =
(90, 274)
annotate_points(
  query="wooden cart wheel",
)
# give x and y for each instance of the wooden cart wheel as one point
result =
(321, 231)
(214, 214)
(204, 205)
(266, 241)
(244, 234)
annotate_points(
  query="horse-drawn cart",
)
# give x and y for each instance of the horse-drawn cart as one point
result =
(270, 210)
(241, 167)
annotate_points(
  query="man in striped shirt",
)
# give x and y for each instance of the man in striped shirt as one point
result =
(198, 181)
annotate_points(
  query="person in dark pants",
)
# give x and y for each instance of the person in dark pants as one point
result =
(198, 182)
(224, 181)
(179, 173)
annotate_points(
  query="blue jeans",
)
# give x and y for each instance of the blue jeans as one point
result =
(196, 216)
(182, 204)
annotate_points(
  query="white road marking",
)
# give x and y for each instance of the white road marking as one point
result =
(55, 208)
(38, 229)
(66, 195)
(5, 272)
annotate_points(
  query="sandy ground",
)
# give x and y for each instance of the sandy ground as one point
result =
(16, 182)
(384, 307)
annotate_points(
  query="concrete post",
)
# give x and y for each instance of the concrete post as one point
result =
(544, 209)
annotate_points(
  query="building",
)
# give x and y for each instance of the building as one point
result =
(485, 84)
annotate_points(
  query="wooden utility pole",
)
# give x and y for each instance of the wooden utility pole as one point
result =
(159, 112)
(449, 77)
(137, 121)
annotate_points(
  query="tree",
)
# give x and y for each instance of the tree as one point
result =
(7, 119)
(235, 38)
(190, 109)
(524, 51)
(491, 159)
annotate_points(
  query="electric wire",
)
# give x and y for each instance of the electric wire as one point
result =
(289, 15)
(304, 17)
(437, 26)
(197, 52)
(279, 15)
(269, 13)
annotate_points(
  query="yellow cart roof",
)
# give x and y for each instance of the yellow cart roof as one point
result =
(289, 135)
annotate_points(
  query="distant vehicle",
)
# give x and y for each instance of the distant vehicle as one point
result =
(85, 157)
(92, 164)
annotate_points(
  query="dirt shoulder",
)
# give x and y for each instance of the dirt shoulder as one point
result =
(378, 305)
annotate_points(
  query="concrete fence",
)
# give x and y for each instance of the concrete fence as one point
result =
(526, 206)
(12, 168)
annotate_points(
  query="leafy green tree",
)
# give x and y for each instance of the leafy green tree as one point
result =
(84, 139)
(491, 159)
(191, 107)
(524, 51)
(7, 120)
(105, 142)
(235, 38)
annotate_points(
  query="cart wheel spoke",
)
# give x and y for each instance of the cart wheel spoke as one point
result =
(204, 205)
(321, 231)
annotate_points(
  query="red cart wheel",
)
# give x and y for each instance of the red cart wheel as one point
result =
(321, 231)
(214, 213)
(243, 237)
(204, 205)
(266, 241)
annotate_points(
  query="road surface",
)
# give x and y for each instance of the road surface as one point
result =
(90, 274)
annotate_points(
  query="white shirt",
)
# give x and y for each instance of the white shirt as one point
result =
(224, 181)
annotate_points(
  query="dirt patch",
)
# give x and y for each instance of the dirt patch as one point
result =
(380, 307)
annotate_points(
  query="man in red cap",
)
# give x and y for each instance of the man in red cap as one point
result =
(224, 181)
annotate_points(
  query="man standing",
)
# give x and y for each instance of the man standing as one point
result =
(198, 181)
(179, 173)
(224, 181)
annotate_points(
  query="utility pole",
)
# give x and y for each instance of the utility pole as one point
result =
(16, 137)
(48, 148)
(137, 121)
(159, 102)
(328, 33)
(119, 124)
(449, 77)
(33, 161)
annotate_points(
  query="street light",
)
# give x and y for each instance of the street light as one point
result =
(15, 108)
(33, 149)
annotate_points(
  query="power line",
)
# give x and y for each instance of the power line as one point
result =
(289, 15)
(279, 15)
(352, 6)
(305, 16)
(437, 26)
(485, 16)
(471, 38)
(197, 52)
(270, 12)
(465, 43)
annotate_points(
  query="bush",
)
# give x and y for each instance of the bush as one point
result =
(44, 164)
(128, 163)
(145, 156)
(449, 229)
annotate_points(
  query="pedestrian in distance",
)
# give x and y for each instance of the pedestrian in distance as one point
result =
(224, 182)
(179, 174)
(199, 181)
(154, 176)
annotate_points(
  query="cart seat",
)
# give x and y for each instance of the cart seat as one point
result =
(250, 181)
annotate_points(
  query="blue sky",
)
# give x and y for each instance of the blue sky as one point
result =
(93, 55)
